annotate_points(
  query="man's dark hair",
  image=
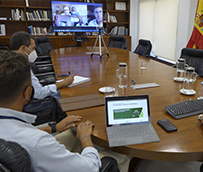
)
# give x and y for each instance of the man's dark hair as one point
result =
(97, 6)
(14, 76)
(20, 38)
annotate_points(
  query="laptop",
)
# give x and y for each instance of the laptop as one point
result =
(128, 120)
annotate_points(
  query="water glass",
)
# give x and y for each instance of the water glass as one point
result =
(121, 73)
(188, 82)
(180, 70)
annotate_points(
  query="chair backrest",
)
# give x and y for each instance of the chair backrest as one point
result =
(13, 157)
(143, 48)
(43, 45)
(194, 58)
(118, 42)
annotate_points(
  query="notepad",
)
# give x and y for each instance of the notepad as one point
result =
(77, 80)
(139, 86)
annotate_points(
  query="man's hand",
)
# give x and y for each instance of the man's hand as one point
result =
(65, 124)
(84, 128)
(200, 117)
(67, 81)
(84, 131)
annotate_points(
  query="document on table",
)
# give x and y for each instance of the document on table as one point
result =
(77, 80)
(139, 86)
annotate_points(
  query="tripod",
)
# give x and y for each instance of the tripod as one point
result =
(99, 36)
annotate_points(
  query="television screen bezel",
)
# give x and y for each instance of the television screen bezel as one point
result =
(75, 28)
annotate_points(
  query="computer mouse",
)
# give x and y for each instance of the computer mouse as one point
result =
(199, 117)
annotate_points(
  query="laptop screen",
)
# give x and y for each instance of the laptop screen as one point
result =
(124, 110)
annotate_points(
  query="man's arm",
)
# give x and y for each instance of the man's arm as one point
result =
(65, 82)
(64, 124)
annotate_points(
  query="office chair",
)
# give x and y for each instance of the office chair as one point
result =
(143, 48)
(118, 42)
(194, 58)
(43, 67)
(43, 46)
(13, 157)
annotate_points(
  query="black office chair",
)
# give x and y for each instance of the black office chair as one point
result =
(43, 46)
(143, 48)
(118, 42)
(194, 58)
(13, 157)
(43, 67)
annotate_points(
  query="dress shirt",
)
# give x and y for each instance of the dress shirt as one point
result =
(42, 91)
(94, 23)
(46, 154)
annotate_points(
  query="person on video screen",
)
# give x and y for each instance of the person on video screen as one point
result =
(81, 22)
(66, 10)
(57, 21)
(74, 11)
(98, 21)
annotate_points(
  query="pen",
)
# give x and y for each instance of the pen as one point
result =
(65, 74)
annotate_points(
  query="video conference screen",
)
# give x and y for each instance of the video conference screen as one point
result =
(76, 16)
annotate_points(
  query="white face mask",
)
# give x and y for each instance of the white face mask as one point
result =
(32, 56)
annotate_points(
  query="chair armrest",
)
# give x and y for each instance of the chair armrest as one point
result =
(109, 164)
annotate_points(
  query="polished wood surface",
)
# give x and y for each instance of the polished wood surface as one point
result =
(183, 145)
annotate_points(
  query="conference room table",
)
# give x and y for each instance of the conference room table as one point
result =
(185, 144)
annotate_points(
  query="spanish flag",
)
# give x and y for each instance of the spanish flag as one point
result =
(196, 40)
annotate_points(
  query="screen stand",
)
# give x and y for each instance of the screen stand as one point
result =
(99, 36)
(78, 38)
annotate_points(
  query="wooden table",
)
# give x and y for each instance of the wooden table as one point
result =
(184, 145)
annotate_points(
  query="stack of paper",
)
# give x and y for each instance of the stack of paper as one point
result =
(77, 80)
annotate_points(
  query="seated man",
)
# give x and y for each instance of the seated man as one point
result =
(45, 152)
(98, 21)
(24, 43)
(57, 21)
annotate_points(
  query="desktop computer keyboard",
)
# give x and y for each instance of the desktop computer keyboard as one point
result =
(185, 109)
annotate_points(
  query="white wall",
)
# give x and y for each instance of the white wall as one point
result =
(187, 9)
(134, 23)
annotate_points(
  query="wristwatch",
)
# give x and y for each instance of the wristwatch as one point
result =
(53, 126)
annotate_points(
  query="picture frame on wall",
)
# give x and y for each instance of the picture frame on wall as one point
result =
(120, 5)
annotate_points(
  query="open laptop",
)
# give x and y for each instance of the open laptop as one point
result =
(128, 120)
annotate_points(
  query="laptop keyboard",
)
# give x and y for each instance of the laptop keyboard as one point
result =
(185, 109)
(130, 130)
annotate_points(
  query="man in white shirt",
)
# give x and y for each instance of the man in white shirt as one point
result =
(46, 154)
(98, 21)
(24, 43)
